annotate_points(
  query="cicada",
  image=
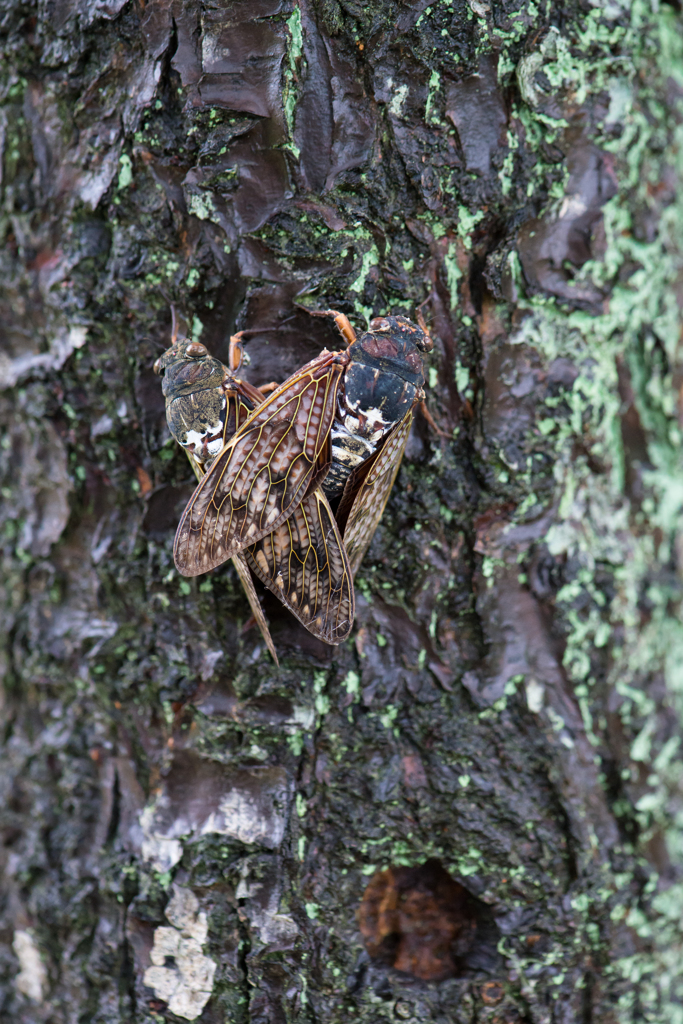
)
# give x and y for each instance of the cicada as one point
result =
(334, 431)
(303, 560)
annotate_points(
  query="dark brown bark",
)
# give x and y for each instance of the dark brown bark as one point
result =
(471, 810)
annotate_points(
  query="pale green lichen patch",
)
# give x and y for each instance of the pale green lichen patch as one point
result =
(621, 602)
(289, 96)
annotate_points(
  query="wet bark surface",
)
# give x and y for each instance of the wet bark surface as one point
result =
(471, 810)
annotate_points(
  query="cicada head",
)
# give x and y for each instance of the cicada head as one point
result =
(187, 368)
(196, 405)
(400, 328)
(393, 344)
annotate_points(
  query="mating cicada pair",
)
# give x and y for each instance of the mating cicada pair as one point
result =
(293, 479)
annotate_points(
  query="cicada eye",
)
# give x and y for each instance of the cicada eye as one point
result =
(157, 365)
(380, 324)
(195, 350)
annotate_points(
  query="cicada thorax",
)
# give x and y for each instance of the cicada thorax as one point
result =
(382, 383)
(205, 404)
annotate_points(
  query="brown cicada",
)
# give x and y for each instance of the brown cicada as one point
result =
(334, 431)
(303, 560)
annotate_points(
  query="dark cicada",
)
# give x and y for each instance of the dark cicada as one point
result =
(382, 384)
(303, 560)
(341, 421)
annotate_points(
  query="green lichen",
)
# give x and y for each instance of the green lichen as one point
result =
(289, 93)
(594, 515)
(125, 171)
(370, 259)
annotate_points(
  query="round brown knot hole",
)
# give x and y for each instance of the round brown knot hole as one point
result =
(420, 921)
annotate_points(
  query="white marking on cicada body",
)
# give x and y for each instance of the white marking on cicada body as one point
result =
(348, 447)
(213, 447)
(375, 425)
(193, 439)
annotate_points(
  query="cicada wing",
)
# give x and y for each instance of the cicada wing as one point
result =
(241, 411)
(304, 563)
(264, 471)
(240, 563)
(197, 467)
(367, 492)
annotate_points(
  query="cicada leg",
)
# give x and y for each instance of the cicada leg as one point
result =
(174, 325)
(342, 321)
(244, 574)
(430, 420)
(235, 361)
(235, 352)
(344, 324)
(420, 317)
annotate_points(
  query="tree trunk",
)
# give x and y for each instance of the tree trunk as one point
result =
(470, 811)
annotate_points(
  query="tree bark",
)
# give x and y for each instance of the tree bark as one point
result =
(470, 811)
